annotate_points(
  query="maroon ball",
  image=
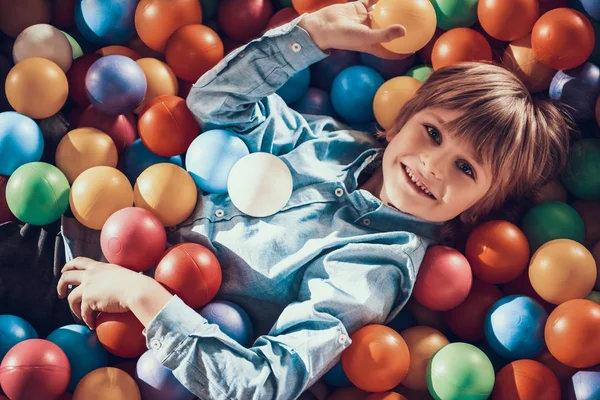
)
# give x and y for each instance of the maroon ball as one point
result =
(121, 128)
(243, 20)
(76, 78)
(35, 369)
(5, 213)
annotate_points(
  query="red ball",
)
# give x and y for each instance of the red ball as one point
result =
(190, 271)
(282, 17)
(460, 45)
(508, 19)
(244, 19)
(35, 369)
(121, 128)
(5, 213)
(526, 380)
(76, 78)
(133, 238)
(167, 127)
(444, 279)
(121, 334)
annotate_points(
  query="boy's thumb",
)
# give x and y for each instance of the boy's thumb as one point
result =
(388, 34)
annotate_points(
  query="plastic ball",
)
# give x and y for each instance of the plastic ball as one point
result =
(319, 389)
(591, 7)
(76, 78)
(167, 126)
(260, 184)
(14, 330)
(596, 254)
(5, 214)
(315, 102)
(336, 376)
(37, 88)
(498, 251)
(551, 191)
(455, 13)
(562, 38)
(508, 20)
(17, 16)
(209, 9)
(377, 360)
(121, 128)
(388, 68)
(572, 333)
(310, 6)
(157, 20)
(96, 384)
(353, 91)
(295, 87)
(514, 327)
(460, 371)
(560, 370)
(589, 211)
(77, 51)
(526, 380)
(423, 342)
(121, 334)
(160, 80)
(45, 41)
(231, 319)
(192, 50)
(192, 272)
(417, 16)
(244, 19)
(120, 50)
(420, 72)
(282, 17)
(157, 382)
(552, 220)
(467, 319)
(547, 5)
(133, 238)
(386, 396)
(82, 149)
(138, 158)
(37, 193)
(444, 279)
(391, 97)
(519, 59)
(115, 84)
(426, 316)
(82, 348)
(584, 385)
(34, 369)
(562, 270)
(460, 45)
(522, 286)
(348, 393)
(578, 88)
(594, 296)
(323, 73)
(21, 141)
(425, 53)
(97, 193)
(581, 175)
(167, 191)
(211, 156)
(105, 22)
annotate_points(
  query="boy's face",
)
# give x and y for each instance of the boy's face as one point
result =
(429, 173)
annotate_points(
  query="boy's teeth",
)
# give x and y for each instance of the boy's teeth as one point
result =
(417, 182)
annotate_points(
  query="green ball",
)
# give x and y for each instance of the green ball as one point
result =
(460, 371)
(37, 193)
(581, 177)
(209, 9)
(552, 220)
(420, 72)
(77, 51)
(455, 13)
(285, 3)
(594, 296)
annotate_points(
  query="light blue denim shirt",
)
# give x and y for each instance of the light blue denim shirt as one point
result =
(331, 261)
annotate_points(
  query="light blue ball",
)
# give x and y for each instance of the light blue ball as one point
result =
(295, 87)
(83, 349)
(14, 330)
(138, 158)
(21, 141)
(106, 22)
(353, 92)
(211, 156)
(514, 327)
(231, 319)
(157, 382)
(584, 385)
(337, 377)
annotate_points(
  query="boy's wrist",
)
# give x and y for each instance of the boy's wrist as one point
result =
(313, 26)
(147, 298)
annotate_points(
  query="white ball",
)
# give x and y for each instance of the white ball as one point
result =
(260, 184)
(45, 41)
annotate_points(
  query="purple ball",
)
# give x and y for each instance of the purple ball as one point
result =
(157, 382)
(579, 89)
(231, 319)
(388, 68)
(115, 84)
(324, 72)
(584, 385)
(315, 102)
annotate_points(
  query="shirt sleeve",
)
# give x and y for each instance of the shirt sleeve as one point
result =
(238, 94)
(340, 292)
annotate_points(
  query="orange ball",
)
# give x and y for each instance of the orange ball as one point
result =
(596, 255)
(391, 97)
(167, 126)
(498, 251)
(423, 342)
(107, 380)
(156, 20)
(97, 193)
(572, 332)
(192, 50)
(121, 334)
(459, 45)
(386, 396)
(377, 360)
(467, 320)
(190, 271)
(508, 19)
(120, 50)
(519, 59)
(309, 6)
(562, 38)
(526, 380)
(37, 88)
(160, 80)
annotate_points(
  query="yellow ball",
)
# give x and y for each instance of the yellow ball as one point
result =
(160, 79)
(519, 59)
(167, 191)
(422, 342)
(417, 16)
(107, 382)
(84, 148)
(391, 97)
(97, 193)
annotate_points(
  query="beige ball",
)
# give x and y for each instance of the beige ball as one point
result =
(519, 59)
(45, 41)
(160, 79)
(422, 342)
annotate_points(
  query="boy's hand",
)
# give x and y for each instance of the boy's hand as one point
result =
(348, 27)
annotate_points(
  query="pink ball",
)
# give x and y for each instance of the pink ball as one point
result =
(121, 128)
(133, 238)
(35, 369)
(444, 279)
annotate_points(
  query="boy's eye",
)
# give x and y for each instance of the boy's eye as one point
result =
(433, 133)
(466, 168)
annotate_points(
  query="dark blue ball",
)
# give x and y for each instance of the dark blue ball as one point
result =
(14, 330)
(403, 320)
(353, 92)
(315, 102)
(591, 7)
(388, 68)
(324, 72)
(578, 88)
(337, 377)
(295, 87)
(138, 158)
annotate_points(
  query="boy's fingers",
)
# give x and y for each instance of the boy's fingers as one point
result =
(387, 34)
(87, 314)
(78, 263)
(68, 278)
(75, 301)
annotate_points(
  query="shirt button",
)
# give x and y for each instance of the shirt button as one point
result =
(296, 47)
(242, 54)
(366, 221)
(219, 213)
(155, 344)
(342, 339)
(339, 192)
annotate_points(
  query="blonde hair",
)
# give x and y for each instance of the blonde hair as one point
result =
(524, 139)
